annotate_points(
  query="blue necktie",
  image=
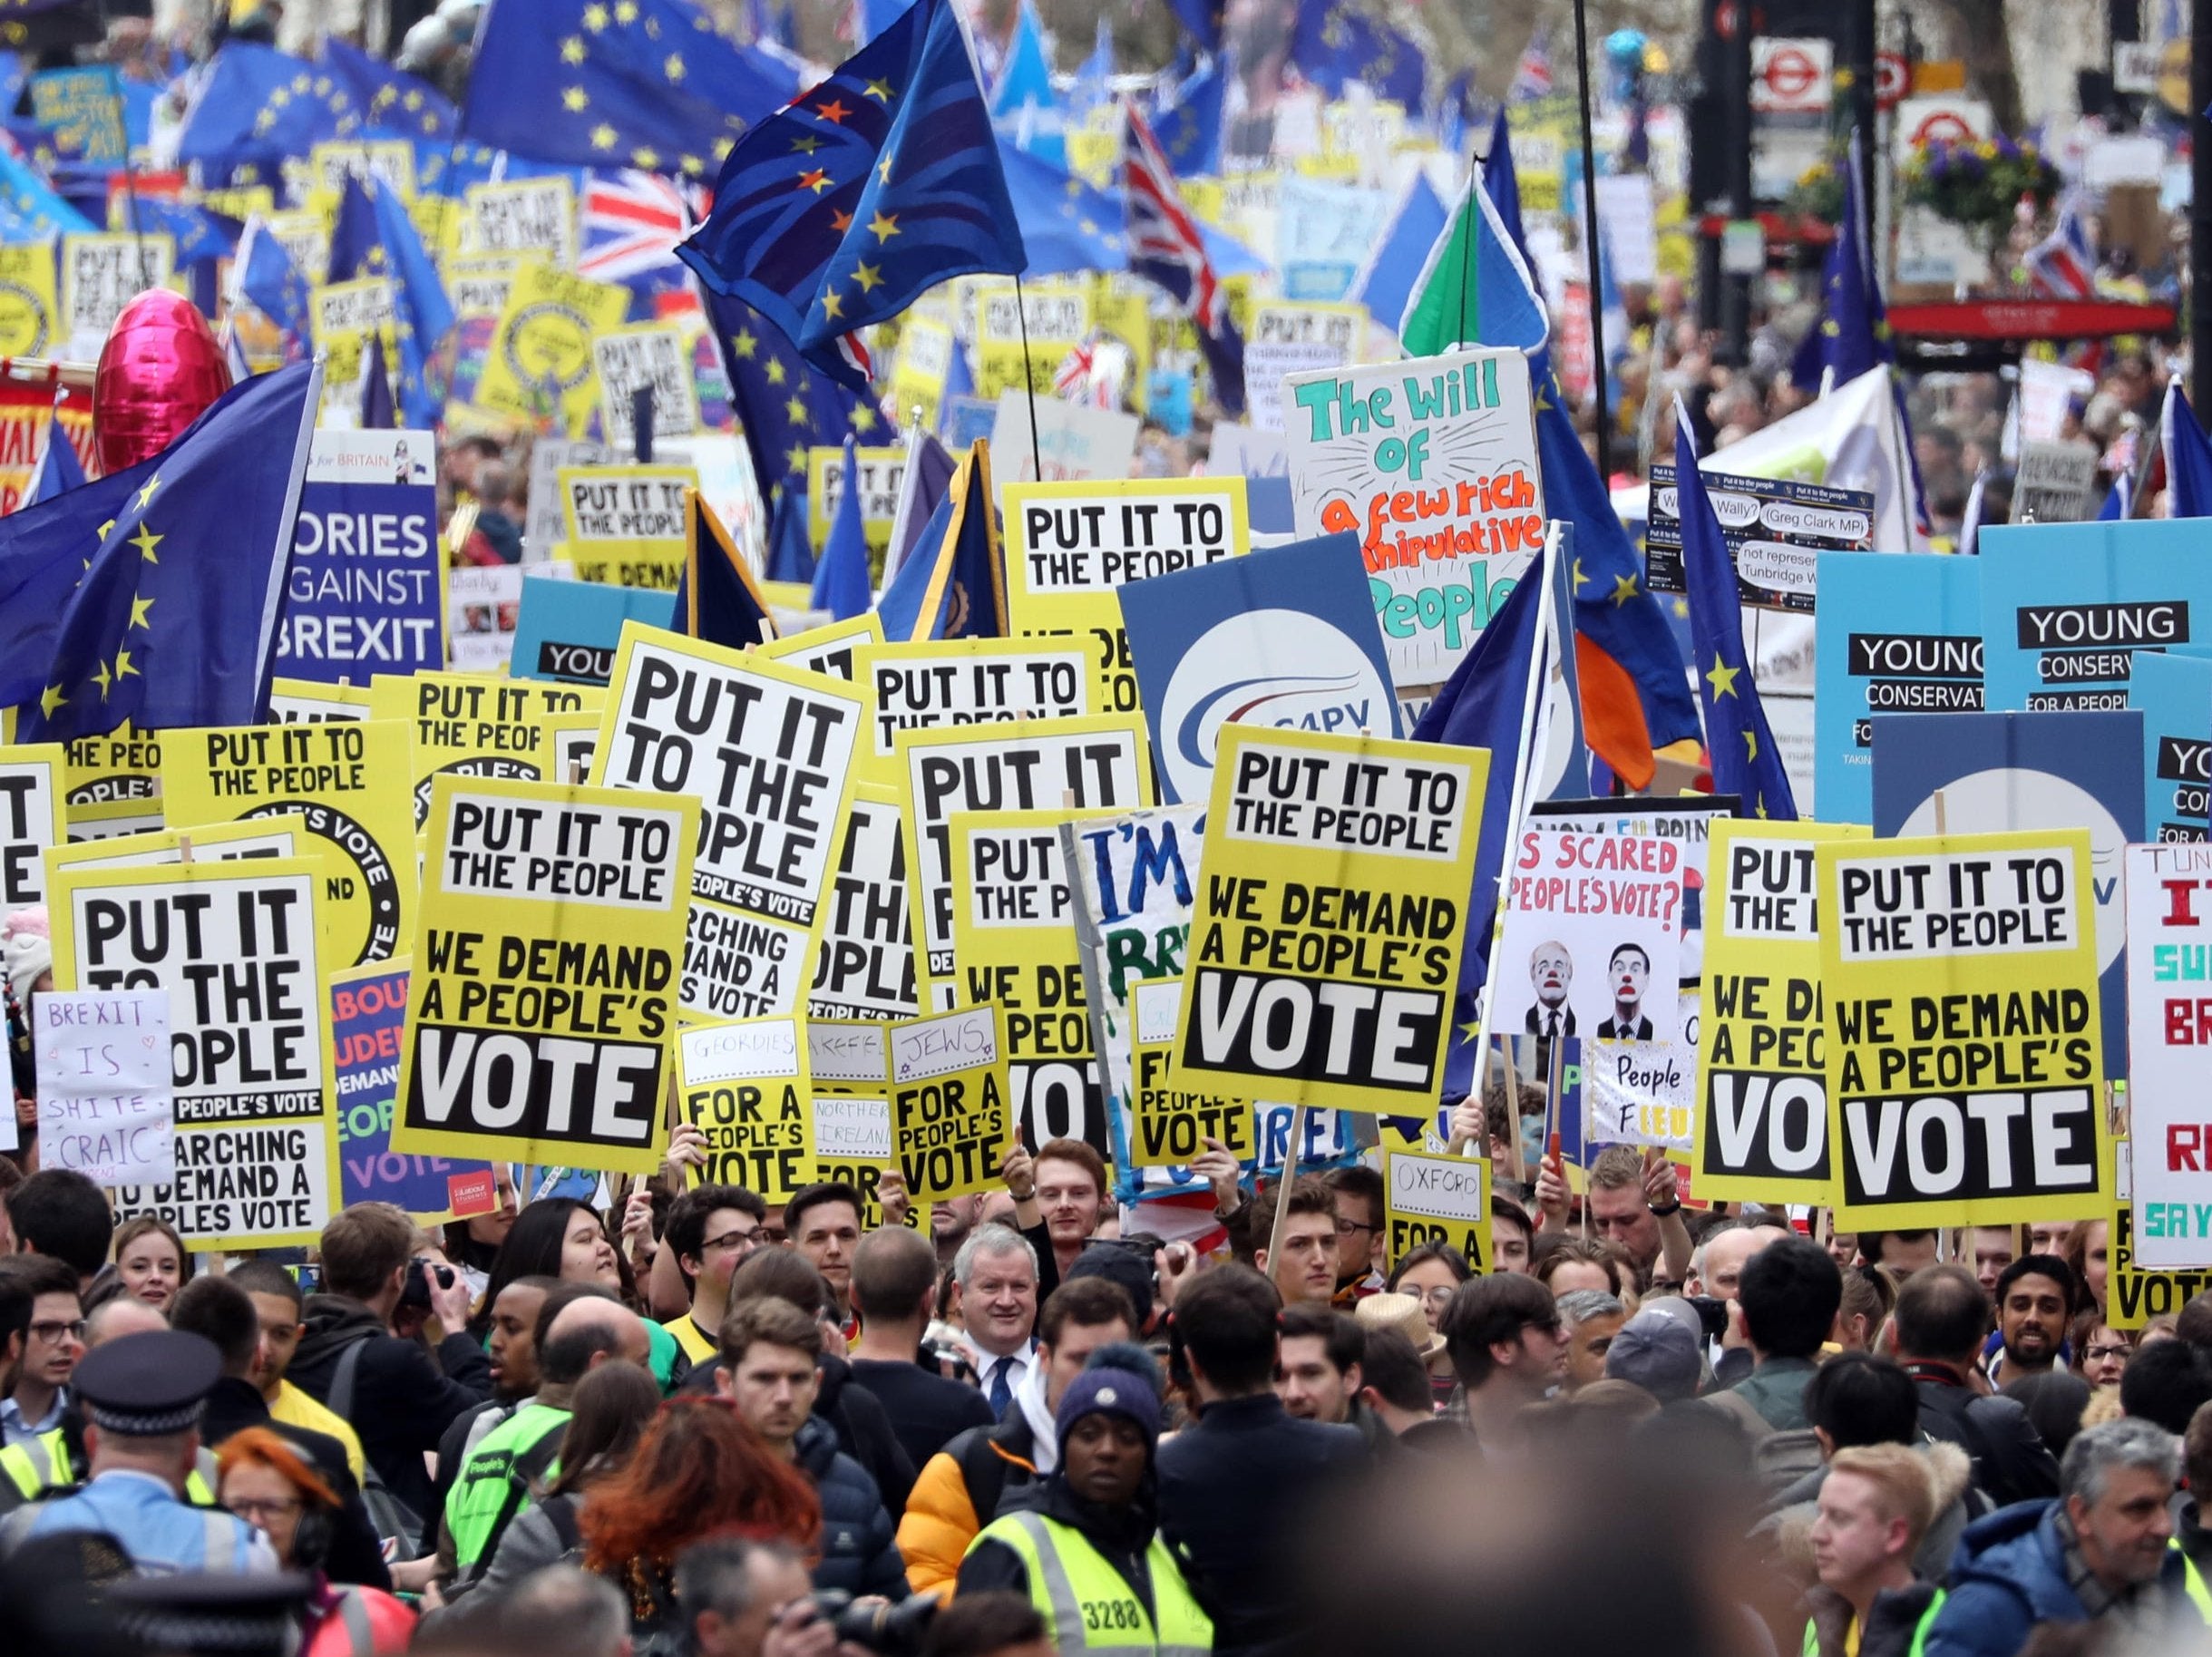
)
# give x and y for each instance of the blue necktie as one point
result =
(1001, 1392)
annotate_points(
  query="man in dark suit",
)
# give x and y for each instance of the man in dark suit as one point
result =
(1551, 970)
(1629, 973)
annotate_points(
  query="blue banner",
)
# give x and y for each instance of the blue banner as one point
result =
(1286, 637)
(368, 1006)
(1894, 634)
(2173, 691)
(365, 591)
(568, 630)
(2000, 772)
(84, 110)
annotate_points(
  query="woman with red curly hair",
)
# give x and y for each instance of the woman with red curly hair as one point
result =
(700, 1470)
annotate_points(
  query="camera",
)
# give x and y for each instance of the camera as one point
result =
(1711, 1313)
(415, 1291)
(897, 1630)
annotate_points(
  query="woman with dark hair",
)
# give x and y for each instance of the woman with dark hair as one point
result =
(610, 1411)
(474, 1244)
(698, 1470)
(2087, 1250)
(1431, 1274)
(564, 1238)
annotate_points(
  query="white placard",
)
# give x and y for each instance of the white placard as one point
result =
(105, 1108)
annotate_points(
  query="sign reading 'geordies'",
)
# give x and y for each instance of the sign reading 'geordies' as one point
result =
(1169, 1124)
(1592, 944)
(770, 753)
(30, 819)
(1432, 463)
(864, 957)
(744, 1084)
(948, 1101)
(364, 590)
(239, 947)
(966, 681)
(2170, 1027)
(1097, 763)
(1069, 546)
(543, 993)
(1762, 1090)
(1325, 950)
(1438, 1199)
(1966, 1085)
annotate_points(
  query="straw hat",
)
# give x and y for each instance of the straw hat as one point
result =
(1403, 1313)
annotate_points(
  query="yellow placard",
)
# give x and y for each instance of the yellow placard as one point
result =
(966, 681)
(1070, 546)
(948, 1101)
(32, 820)
(1169, 1124)
(626, 524)
(239, 946)
(345, 315)
(541, 365)
(829, 649)
(389, 160)
(1760, 1130)
(542, 996)
(532, 216)
(312, 702)
(339, 775)
(1121, 306)
(1059, 312)
(568, 741)
(1324, 952)
(30, 308)
(480, 284)
(473, 726)
(743, 1083)
(284, 837)
(925, 361)
(123, 765)
(880, 472)
(1437, 1199)
(864, 957)
(1965, 1058)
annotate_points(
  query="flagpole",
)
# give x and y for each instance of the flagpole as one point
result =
(1029, 385)
(1590, 235)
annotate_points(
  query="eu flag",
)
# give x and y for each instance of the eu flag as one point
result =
(257, 105)
(44, 551)
(840, 578)
(953, 584)
(1188, 123)
(2188, 458)
(30, 209)
(58, 471)
(1853, 333)
(374, 236)
(378, 412)
(174, 622)
(1333, 44)
(612, 84)
(1745, 760)
(263, 276)
(880, 182)
(715, 597)
(392, 100)
(783, 406)
(198, 234)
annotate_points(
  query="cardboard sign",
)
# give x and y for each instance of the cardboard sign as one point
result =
(237, 949)
(1965, 1081)
(1644, 1092)
(104, 1106)
(2134, 1295)
(864, 959)
(656, 358)
(541, 360)
(1775, 531)
(465, 725)
(340, 777)
(2169, 1023)
(1289, 338)
(948, 1101)
(1071, 546)
(771, 754)
(935, 682)
(368, 1013)
(830, 648)
(568, 630)
(1169, 1124)
(32, 819)
(1761, 1094)
(101, 274)
(626, 524)
(1438, 1199)
(2174, 694)
(1324, 954)
(744, 1084)
(1433, 464)
(535, 216)
(543, 993)
(1591, 937)
(1096, 764)
(2053, 481)
(305, 702)
(1070, 440)
(847, 1063)
(30, 308)
(365, 589)
(882, 471)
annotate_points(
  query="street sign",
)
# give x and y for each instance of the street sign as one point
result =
(1948, 118)
(1892, 78)
(2134, 66)
(1791, 77)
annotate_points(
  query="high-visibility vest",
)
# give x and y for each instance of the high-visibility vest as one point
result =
(493, 1486)
(1089, 1604)
(2193, 1580)
(1920, 1632)
(42, 1464)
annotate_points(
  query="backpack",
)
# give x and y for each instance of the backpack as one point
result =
(398, 1525)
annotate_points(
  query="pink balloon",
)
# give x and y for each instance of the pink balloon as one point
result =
(159, 370)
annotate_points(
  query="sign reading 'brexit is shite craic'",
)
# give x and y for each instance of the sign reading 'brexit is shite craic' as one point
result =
(770, 753)
(1324, 953)
(1966, 1078)
(543, 994)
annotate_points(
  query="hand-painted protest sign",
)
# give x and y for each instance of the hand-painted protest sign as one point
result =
(770, 752)
(1965, 1086)
(84, 109)
(470, 725)
(32, 819)
(1014, 945)
(626, 524)
(656, 358)
(1325, 951)
(2169, 1025)
(368, 1012)
(1761, 1094)
(541, 360)
(364, 592)
(307, 702)
(1169, 1124)
(829, 649)
(948, 1101)
(967, 681)
(104, 1106)
(1070, 546)
(238, 947)
(1775, 529)
(1287, 337)
(1645, 1092)
(2052, 482)
(846, 1065)
(29, 306)
(1687, 821)
(1997, 771)
(864, 960)
(1438, 1199)
(2066, 607)
(1893, 636)
(2173, 692)
(1433, 464)
(101, 274)
(546, 513)
(1592, 939)
(1070, 440)
(1095, 763)
(1287, 638)
(527, 216)
(543, 990)
(882, 472)
(744, 1084)
(340, 777)
(568, 631)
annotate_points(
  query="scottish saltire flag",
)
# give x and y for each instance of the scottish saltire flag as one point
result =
(1166, 249)
(1188, 122)
(953, 584)
(1474, 287)
(878, 184)
(263, 276)
(30, 209)
(1333, 44)
(392, 100)
(1023, 104)
(631, 223)
(58, 471)
(717, 599)
(175, 621)
(2188, 457)
(840, 578)
(784, 407)
(1531, 74)
(924, 482)
(2064, 265)
(375, 237)
(643, 83)
(1745, 759)
(44, 551)
(254, 106)
(1384, 284)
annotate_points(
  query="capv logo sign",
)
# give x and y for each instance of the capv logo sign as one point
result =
(1237, 672)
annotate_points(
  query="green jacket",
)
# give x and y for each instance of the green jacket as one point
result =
(494, 1483)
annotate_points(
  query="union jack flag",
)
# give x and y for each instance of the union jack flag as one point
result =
(1073, 376)
(1165, 243)
(1532, 76)
(2064, 265)
(631, 224)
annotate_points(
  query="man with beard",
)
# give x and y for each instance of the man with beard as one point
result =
(2035, 1299)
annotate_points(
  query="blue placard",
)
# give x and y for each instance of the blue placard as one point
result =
(364, 592)
(2173, 691)
(84, 110)
(568, 630)
(366, 1014)
(1894, 634)
(1283, 637)
(2000, 772)
(2065, 607)
(965, 419)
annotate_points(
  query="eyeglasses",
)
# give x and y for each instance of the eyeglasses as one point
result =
(256, 1512)
(772, 1233)
(57, 1330)
(2099, 1354)
(1346, 1228)
(733, 1240)
(1441, 1295)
